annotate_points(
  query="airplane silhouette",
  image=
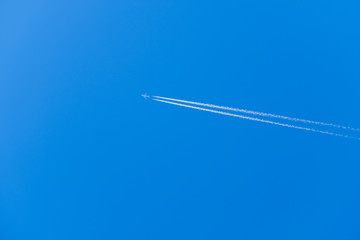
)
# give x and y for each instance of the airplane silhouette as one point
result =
(145, 95)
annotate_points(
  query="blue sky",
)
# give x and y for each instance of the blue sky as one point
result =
(83, 156)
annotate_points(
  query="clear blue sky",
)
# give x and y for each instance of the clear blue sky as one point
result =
(83, 156)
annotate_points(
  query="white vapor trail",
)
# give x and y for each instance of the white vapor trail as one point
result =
(259, 113)
(256, 119)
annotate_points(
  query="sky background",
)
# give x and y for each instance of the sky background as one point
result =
(83, 156)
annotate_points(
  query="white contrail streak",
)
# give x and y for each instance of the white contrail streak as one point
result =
(256, 119)
(259, 113)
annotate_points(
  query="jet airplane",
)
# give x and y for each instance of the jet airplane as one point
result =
(145, 95)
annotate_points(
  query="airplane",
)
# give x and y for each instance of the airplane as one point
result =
(145, 95)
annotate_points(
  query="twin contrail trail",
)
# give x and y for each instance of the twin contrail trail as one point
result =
(259, 113)
(179, 102)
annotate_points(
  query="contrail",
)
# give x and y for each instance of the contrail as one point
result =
(259, 113)
(257, 119)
